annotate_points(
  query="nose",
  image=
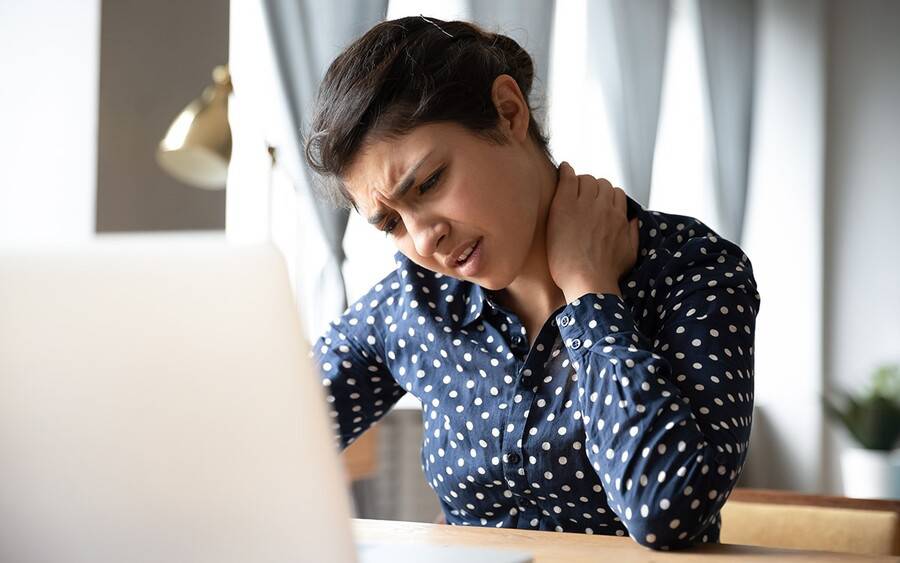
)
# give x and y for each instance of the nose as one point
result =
(426, 233)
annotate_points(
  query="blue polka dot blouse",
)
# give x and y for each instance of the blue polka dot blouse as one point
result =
(626, 416)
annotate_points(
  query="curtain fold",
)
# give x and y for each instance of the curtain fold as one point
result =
(306, 36)
(531, 25)
(728, 29)
(626, 44)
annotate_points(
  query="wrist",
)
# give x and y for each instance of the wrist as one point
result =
(574, 291)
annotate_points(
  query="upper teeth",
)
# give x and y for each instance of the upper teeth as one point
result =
(464, 255)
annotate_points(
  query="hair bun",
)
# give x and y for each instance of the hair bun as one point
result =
(516, 60)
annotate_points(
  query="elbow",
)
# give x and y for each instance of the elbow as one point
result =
(652, 537)
(661, 534)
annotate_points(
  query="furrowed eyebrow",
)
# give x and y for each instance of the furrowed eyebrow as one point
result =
(400, 189)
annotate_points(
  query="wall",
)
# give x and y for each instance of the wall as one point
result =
(155, 58)
(49, 51)
(862, 273)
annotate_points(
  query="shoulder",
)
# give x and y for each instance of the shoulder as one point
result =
(663, 235)
(363, 322)
(682, 254)
(671, 241)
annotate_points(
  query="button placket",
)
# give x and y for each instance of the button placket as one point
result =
(514, 442)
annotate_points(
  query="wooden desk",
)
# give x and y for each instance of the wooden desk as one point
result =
(555, 547)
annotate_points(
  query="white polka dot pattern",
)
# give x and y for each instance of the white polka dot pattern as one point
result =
(627, 415)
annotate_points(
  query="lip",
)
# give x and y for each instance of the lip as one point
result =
(454, 256)
(472, 263)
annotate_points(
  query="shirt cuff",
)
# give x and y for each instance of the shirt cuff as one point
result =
(594, 318)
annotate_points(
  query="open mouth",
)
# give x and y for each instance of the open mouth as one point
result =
(470, 259)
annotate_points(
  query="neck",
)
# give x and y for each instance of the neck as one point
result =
(534, 294)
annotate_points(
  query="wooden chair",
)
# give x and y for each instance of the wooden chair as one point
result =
(786, 519)
(361, 457)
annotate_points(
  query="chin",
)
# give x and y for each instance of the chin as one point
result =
(495, 282)
(492, 286)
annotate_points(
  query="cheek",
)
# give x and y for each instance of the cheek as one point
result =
(512, 218)
(459, 202)
(476, 205)
(406, 246)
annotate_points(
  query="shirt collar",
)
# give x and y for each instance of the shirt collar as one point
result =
(633, 208)
(468, 299)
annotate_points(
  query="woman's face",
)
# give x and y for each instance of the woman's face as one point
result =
(440, 189)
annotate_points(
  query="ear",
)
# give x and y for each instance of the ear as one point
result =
(511, 107)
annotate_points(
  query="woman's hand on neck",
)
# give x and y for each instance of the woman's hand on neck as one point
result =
(534, 292)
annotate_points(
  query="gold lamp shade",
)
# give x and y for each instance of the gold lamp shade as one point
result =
(197, 146)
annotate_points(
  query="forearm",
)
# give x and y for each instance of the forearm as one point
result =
(664, 474)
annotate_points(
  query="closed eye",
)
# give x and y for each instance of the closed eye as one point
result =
(424, 187)
(431, 181)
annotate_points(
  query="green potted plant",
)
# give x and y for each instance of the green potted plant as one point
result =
(872, 418)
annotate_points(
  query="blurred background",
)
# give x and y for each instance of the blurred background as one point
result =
(773, 121)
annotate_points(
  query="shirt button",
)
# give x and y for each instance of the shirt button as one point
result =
(517, 340)
(575, 344)
(564, 321)
(512, 457)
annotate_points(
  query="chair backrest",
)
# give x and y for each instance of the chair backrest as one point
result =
(361, 457)
(787, 519)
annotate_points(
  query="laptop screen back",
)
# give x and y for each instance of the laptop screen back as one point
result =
(157, 403)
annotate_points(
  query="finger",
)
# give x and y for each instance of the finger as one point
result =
(604, 191)
(620, 200)
(567, 187)
(587, 186)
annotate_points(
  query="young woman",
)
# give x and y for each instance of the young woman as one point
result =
(584, 365)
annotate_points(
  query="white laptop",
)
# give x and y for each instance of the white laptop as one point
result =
(157, 403)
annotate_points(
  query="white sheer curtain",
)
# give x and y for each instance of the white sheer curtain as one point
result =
(728, 29)
(279, 51)
(784, 237)
(682, 181)
(627, 50)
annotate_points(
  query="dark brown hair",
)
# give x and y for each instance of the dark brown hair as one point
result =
(409, 72)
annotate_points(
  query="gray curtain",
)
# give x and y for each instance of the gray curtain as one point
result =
(728, 29)
(530, 24)
(626, 44)
(307, 36)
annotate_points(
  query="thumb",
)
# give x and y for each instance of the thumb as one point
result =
(564, 191)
